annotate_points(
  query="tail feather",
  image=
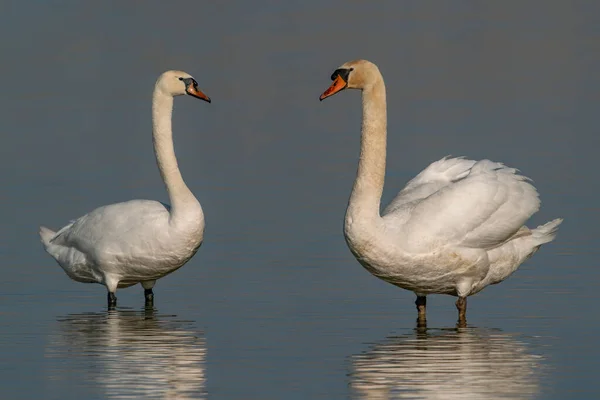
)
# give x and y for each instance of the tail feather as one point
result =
(46, 235)
(547, 232)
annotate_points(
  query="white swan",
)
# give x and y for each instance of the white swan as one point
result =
(138, 241)
(455, 228)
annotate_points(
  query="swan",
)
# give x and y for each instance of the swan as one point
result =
(454, 229)
(137, 241)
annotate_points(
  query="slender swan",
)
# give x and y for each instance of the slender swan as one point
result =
(138, 241)
(454, 229)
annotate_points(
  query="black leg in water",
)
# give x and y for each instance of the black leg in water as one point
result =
(421, 304)
(149, 295)
(112, 300)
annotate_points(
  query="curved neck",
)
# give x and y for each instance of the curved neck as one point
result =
(180, 196)
(365, 199)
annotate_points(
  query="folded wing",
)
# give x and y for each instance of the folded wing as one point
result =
(464, 203)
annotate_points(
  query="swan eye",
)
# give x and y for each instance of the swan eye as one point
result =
(180, 78)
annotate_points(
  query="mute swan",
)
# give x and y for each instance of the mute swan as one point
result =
(454, 229)
(138, 241)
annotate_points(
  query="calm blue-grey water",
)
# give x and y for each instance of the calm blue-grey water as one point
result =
(274, 306)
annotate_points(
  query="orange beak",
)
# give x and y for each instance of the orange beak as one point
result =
(193, 90)
(338, 85)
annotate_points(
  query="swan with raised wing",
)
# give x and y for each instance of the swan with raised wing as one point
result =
(137, 241)
(454, 229)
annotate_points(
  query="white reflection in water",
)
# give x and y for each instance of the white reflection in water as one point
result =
(462, 363)
(130, 354)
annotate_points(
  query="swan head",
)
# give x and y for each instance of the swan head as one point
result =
(177, 83)
(357, 74)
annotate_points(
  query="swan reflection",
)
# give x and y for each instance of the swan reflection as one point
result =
(462, 363)
(130, 354)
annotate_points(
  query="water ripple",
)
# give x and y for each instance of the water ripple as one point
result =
(129, 354)
(467, 363)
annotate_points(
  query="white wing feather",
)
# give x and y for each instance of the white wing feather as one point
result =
(465, 203)
(433, 178)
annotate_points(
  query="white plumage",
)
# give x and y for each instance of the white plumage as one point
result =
(137, 241)
(470, 215)
(455, 228)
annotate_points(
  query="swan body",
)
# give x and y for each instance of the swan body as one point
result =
(457, 227)
(137, 241)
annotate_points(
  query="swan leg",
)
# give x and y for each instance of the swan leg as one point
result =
(111, 283)
(421, 304)
(149, 296)
(461, 305)
(112, 300)
(148, 293)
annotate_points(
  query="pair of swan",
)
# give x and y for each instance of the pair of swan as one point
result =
(455, 228)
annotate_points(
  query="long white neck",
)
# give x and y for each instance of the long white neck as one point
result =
(365, 199)
(181, 198)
